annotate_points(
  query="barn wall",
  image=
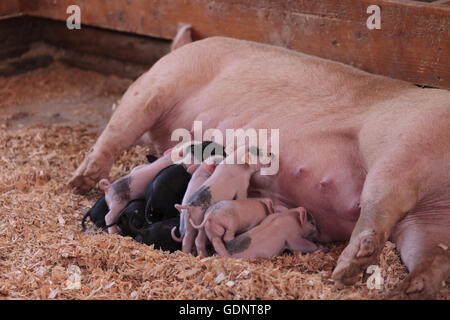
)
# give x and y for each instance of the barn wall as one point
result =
(413, 43)
(10, 8)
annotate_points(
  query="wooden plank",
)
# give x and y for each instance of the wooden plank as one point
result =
(116, 45)
(413, 43)
(16, 35)
(10, 8)
(105, 51)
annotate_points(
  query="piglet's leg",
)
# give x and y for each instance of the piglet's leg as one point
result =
(111, 217)
(188, 241)
(219, 247)
(200, 243)
(214, 233)
(424, 244)
(229, 235)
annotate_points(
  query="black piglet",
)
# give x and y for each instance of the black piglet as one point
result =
(159, 234)
(97, 214)
(132, 218)
(166, 190)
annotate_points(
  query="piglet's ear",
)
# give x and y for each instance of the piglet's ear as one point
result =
(180, 207)
(303, 215)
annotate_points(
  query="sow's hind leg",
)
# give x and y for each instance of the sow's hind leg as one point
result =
(423, 240)
(389, 193)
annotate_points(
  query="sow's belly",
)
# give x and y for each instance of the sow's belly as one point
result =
(326, 178)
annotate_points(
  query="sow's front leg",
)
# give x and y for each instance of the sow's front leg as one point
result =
(142, 104)
(423, 239)
(389, 192)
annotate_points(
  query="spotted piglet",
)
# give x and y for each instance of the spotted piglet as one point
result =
(199, 176)
(133, 186)
(130, 187)
(292, 230)
(229, 217)
(229, 181)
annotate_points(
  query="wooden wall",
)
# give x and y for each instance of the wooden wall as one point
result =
(11, 8)
(413, 43)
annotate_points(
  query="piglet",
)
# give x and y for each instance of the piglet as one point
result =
(130, 187)
(132, 217)
(164, 191)
(133, 185)
(228, 182)
(200, 175)
(229, 217)
(100, 209)
(159, 235)
(289, 230)
(97, 214)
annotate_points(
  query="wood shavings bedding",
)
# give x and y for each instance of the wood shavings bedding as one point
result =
(45, 255)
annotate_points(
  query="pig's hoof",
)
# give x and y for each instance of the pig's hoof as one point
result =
(81, 184)
(414, 287)
(357, 256)
(113, 230)
(322, 248)
(88, 173)
(425, 279)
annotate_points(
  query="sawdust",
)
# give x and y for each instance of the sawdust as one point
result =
(45, 255)
(41, 242)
